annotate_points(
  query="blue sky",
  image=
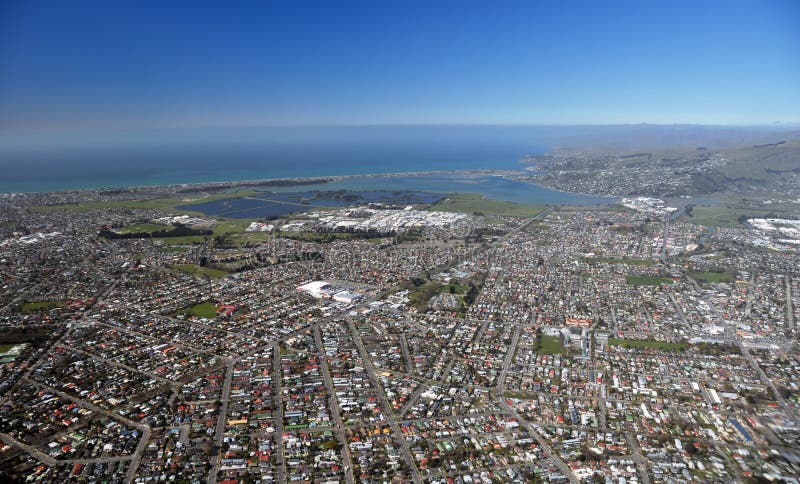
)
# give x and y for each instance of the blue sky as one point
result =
(96, 67)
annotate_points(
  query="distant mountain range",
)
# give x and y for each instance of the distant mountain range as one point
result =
(623, 138)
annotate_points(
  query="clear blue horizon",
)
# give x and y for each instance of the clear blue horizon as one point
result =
(84, 70)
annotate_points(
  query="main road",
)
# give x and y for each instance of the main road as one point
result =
(554, 458)
(370, 368)
(641, 462)
(347, 459)
(219, 432)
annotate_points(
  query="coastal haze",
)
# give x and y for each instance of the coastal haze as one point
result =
(400, 243)
(131, 158)
(232, 155)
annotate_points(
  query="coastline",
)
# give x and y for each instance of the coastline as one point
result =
(219, 185)
(545, 187)
(494, 184)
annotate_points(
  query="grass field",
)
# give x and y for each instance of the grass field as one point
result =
(713, 276)
(717, 216)
(34, 306)
(617, 207)
(635, 343)
(142, 227)
(647, 280)
(520, 395)
(166, 203)
(4, 348)
(420, 296)
(200, 271)
(728, 215)
(550, 345)
(183, 239)
(630, 262)
(169, 249)
(203, 310)
(231, 227)
(472, 203)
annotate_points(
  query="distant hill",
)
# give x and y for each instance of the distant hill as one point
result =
(763, 162)
(674, 161)
(647, 137)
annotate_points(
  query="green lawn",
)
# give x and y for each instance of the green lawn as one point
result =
(472, 203)
(203, 310)
(165, 203)
(200, 271)
(168, 249)
(233, 228)
(227, 226)
(636, 343)
(549, 345)
(713, 276)
(716, 216)
(183, 239)
(142, 227)
(630, 262)
(35, 306)
(422, 294)
(728, 215)
(632, 280)
(5, 348)
(617, 207)
(520, 395)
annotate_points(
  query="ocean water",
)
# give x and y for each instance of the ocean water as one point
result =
(261, 154)
(490, 186)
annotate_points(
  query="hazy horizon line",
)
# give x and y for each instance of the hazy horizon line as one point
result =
(409, 124)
